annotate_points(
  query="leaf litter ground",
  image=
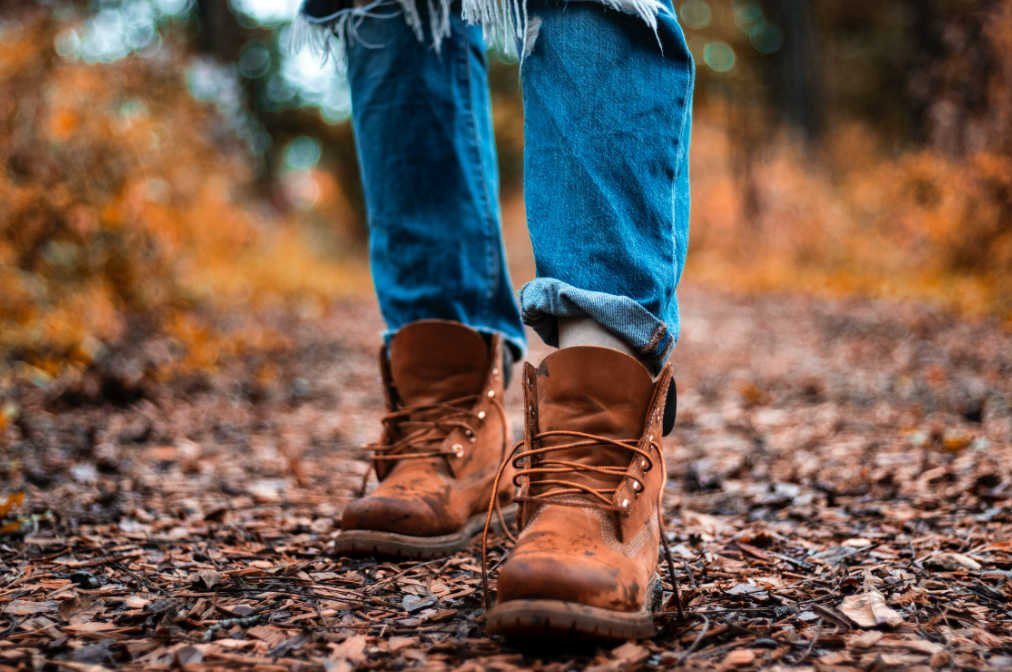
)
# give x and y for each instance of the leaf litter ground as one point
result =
(839, 499)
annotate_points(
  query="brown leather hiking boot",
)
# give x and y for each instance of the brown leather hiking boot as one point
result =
(592, 474)
(444, 437)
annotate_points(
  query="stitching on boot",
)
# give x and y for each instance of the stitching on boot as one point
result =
(472, 478)
(634, 545)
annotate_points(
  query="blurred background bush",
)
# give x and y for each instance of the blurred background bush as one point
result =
(168, 162)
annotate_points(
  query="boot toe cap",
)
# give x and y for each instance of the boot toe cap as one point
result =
(412, 517)
(581, 577)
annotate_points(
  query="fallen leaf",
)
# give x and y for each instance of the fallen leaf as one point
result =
(857, 542)
(869, 610)
(207, 578)
(740, 658)
(630, 653)
(865, 640)
(10, 502)
(351, 649)
(953, 562)
(27, 608)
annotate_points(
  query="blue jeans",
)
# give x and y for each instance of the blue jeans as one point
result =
(607, 104)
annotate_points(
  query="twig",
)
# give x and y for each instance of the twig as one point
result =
(688, 570)
(400, 574)
(695, 644)
(141, 581)
(13, 626)
(319, 612)
(676, 595)
(229, 622)
(811, 645)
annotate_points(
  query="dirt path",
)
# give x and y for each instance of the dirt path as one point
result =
(835, 465)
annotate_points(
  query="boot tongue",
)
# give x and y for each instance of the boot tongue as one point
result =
(596, 391)
(434, 361)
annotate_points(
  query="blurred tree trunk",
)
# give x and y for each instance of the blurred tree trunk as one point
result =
(795, 65)
(960, 73)
(221, 35)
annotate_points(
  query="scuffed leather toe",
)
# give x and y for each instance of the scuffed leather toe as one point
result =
(570, 577)
(414, 517)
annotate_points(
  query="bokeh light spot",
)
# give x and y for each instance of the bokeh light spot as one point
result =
(765, 37)
(696, 14)
(719, 56)
(67, 44)
(173, 7)
(254, 60)
(264, 12)
(302, 153)
(747, 15)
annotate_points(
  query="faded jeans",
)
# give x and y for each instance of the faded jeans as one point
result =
(607, 105)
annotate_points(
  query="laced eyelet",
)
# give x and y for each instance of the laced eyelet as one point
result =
(636, 486)
(643, 464)
(458, 450)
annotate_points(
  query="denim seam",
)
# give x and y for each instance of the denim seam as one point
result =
(678, 163)
(491, 261)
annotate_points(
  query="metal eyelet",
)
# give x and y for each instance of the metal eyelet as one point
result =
(636, 486)
(643, 463)
(458, 450)
(481, 415)
(491, 393)
(625, 503)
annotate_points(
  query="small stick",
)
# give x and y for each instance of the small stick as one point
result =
(676, 595)
(695, 644)
(811, 645)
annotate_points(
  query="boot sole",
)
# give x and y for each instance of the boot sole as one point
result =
(389, 545)
(543, 619)
(537, 620)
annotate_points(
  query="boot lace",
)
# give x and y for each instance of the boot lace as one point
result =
(562, 491)
(425, 428)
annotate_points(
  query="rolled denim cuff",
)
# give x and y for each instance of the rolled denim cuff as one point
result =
(544, 300)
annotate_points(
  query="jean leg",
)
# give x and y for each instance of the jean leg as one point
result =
(423, 130)
(607, 104)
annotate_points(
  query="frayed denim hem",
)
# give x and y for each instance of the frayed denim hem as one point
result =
(544, 300)
(505, 23)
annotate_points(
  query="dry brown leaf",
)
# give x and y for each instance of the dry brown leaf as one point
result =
(740, 658)
(630, 653)
(26, 608)
(351, 649)
(207, 578)
(865, 640)
(953, 562)
(869, 610)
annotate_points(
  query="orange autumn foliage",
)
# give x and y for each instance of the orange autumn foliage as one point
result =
(126, 206)
(852, 220)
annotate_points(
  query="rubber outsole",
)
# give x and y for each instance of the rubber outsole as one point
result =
(390, 545)
(543, 619)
